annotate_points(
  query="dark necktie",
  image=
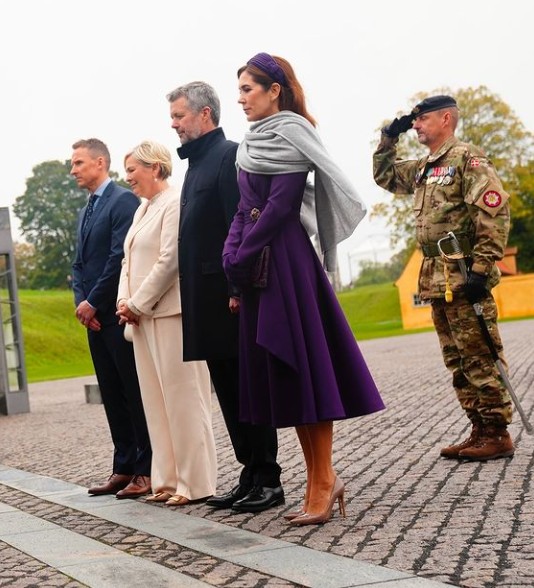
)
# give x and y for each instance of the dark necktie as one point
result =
(89, 211)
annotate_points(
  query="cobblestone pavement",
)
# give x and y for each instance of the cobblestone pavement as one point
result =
(466, 524)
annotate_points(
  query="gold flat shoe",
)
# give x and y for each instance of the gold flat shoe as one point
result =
(177, 500)
(159, 497)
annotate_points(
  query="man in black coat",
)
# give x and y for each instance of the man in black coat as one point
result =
(209, 309)
(102, 226)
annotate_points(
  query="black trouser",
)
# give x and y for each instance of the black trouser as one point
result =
(114, 362)
(255, 446)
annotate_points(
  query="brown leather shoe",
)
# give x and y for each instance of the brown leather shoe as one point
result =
(139, 486)
(452, 451)
(115, 483)
(494, 442)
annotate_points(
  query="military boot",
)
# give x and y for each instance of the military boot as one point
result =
(452, 451)
(494, 442)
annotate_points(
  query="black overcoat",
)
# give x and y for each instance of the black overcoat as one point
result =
(209, 200)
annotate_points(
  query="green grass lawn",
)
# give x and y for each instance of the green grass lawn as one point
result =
(372, 311)
(56, 346)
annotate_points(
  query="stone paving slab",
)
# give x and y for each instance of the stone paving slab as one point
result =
(466, 524)
(75, 554)
(88, 561)
(172, 565)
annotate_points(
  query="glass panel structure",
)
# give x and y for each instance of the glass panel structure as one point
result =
(13, 382)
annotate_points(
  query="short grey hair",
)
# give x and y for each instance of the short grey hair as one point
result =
(96, 148)
(199, 95)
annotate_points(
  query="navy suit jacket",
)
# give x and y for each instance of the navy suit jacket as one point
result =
(97, 267)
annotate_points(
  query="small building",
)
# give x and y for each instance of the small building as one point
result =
(514, 294)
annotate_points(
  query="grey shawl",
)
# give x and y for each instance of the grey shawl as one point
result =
(287, 143)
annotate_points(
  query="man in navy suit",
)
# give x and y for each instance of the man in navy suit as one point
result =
(102, 227)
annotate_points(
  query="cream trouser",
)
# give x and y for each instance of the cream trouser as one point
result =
(177, 401)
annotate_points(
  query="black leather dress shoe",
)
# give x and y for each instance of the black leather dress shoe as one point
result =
(228, 499)
(260, 498)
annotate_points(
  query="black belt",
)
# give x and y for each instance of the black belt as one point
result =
(431, 249)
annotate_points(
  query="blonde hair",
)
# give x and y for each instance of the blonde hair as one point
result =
(149, 153)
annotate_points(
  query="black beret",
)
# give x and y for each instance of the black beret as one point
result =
(433, 103)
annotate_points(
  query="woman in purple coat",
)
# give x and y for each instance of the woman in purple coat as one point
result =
(300, 364)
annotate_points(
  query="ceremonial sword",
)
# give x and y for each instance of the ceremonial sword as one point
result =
(458, 256)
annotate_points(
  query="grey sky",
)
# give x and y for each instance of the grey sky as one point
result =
(73, 70)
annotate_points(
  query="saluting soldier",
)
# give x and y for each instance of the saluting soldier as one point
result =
(456, 188)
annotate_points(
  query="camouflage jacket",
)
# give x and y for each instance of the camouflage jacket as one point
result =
(455, 189)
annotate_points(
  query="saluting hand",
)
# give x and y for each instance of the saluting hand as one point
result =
(398, 126)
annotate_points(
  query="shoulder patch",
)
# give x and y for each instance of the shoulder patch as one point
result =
(492, 199)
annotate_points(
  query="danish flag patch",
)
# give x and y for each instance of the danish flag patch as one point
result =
(475, 162)
(492, 199)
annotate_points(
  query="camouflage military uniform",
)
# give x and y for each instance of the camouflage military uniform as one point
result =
(457, 189)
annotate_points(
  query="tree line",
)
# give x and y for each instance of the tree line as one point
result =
(48, 215)
(48, 209)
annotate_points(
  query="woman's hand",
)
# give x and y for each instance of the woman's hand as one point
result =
(125, 314)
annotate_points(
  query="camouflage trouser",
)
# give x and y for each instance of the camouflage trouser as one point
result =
(475, 377)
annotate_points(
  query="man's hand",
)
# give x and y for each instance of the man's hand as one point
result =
(85, 313)
(475, 287)
(233, 305)
(398, 126)
(94, 325)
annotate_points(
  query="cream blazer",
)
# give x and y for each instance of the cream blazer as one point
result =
(149, 274)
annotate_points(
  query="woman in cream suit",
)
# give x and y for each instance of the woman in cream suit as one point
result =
(176, 394)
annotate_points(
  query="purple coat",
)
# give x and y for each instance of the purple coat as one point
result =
(299, 361)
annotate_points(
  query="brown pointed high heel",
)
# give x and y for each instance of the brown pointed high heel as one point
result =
(338, 493)
(294, 514)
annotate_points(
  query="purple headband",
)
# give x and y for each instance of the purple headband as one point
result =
(268, 64)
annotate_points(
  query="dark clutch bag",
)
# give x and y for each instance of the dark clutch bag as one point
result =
(260, 271)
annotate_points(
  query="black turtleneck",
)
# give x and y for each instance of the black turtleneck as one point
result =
(198, 147)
